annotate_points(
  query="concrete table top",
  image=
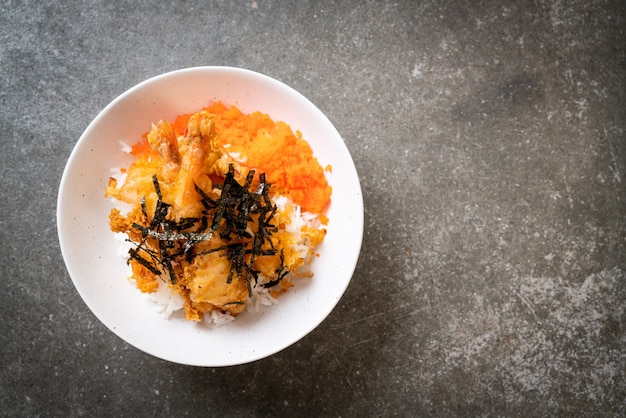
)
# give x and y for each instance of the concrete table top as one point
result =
(490, 140)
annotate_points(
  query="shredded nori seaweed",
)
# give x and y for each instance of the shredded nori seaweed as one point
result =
(231, 215)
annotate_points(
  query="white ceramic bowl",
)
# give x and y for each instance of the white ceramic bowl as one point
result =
(91, 251)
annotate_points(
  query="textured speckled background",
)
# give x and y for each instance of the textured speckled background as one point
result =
(491, 146)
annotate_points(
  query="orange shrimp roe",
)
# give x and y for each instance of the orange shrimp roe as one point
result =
(272, 148)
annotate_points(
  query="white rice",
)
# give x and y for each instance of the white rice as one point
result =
(125, 147)
(260, 297)
(166, 302)
(235, 156)
(218, 318)
(118, 175)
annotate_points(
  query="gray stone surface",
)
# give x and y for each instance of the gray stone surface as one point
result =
(490, 142)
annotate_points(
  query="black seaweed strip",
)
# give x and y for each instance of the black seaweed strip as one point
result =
(142, 229)
(281, 272)
(161, 209)
(248, 181)
(167, 262)
(134, 254)
(216, 249)
(207, 202)
(144, 210)
(157, 188)
(186, 223)
(222, 202)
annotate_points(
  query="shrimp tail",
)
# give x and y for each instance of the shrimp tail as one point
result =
(163, 140)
